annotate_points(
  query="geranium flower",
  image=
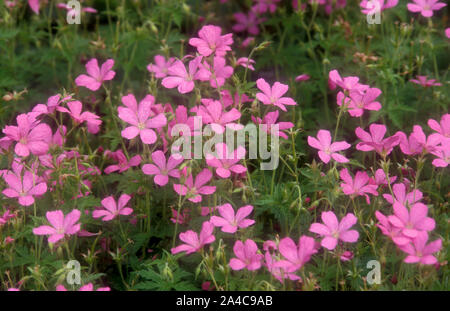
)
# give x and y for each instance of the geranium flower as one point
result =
(423, 81)
(295, 256)
(279, 273)
(123, 164)
(270, 120)
(211, 41)
(230, 222)
(411, 221)
(195, 242)
(52, 103)
(425, 7)
(442, 128)
(212, 112)
(328, 150)
(194, 190)
(360, 185)
(217, 74)
(246, 63)
(178, 76)
(332, 230)
(418, 141)
(394, 233)
(346, 83)
(247, 256)
(247, 22)
(273, 95)
(96, 75)
(358, 101)
(443, 154)
(141, 118)
(161, 169)
(374, 6)
(161, 66)
(225, 162)
(93, 121)
(375, 141)
(302, 77)
(380, 178)
(420, 251)
(112, 210)
(23, 188)
(60, 225)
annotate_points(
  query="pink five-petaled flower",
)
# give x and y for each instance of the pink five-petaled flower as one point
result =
(178, 76)
(375, 6)
(123, 164)
(332, 230)
(420, 251)
(296, 256)
(328, 150)
(418, 142)
(230, 222)
(61, 225)
(31, 136)
(425, 7)
(23, 188)
(442, 128)
(360, 185)
(195, 242)
(225, 162)
(375, 141)
(211, 41)
(161, 169)
(97, 75)
(443, 154)
(273, 95)
(113, 209)
(212, 112)
(346, 83)
(247, 256)
(247, 22)
(217, 74)
(93, 121)
(161, 66)
(411, 221)
(194, 190)
(380, 178)
(141, 118)
(358, 101)
(389, 230)
(246, 63)
(400, 195)
(269, 124)
(423, 81)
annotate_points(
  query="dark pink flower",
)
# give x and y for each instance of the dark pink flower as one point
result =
(346, 83)
(195, 190)
(112, 209)
(226, 162)
(247, 256)
(96, 75)
(360, 100)
(295, 256)
(178, 76)
(375, 140)
(269, 123)
(359, 186)
(195, 242)
(420, 251)
(211, 41)
(123, 164)
(411, 221)
(23, 188)
(231, 222)
(394, 233)
(328, 150)
(161, 169)
(212, 112)
(93, 121)
(161, 66)
(273, 95)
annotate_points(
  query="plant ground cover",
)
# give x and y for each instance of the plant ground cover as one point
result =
(97, 196)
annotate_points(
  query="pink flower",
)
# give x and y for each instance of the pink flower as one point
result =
(52, 103)
(423, 81)
(328, 150)
(358, 101)
(425, 7)
(247, 256)
(360, 185)
(93, 121)
(302, 77)
(123, 164)
(443, 128)
(247, 22)
(211, 41)
(177, 76)
(279, 273)
(217, 74)
(389, 230)
(24, 188)
(380, 178)
(230, 222)
(346, 83)
(225, 162)
(246, 63)
(374, 6)
(161, 169)
(193, 241)
(447, 32)
(112, 210)
(160, 68)
(85, 288)
(194, 190)
(418, 142)
(141, 118)
(412, 221)
(420, 251)
(61, 225)
(262, 6)
(296, 257)
(212, 112)
(72, 12)
(443, 154)
(237, 101)
(273, 95)
(269, 123)
(34, 5)
(346, 256)
(375, 141)
(332, 230)
(181, 218)
(96, 75)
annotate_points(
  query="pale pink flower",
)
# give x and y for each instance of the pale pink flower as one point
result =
(247, 22)
(194, 190)
(231, 222)
(217, 74)
(375, 6)
(295, 256)
(211, 41)
(419, 251)
(23, 188)
(346, 83)
(226, 161)
(112, 209)
(96, 75)
(247, 256)
(161, 66)
(246, 63)
(332, 230)
(141, 118)
(178, 76)
(328, 150)
(443, 154)
(358, 101)
(442, 128)
(123, 164)
(269, 123)
(390, 231)
(212, 112)
(162, 169)
(273, 95)
(93, 121)
(359, 186)
(302, 77)
(31, 136)
(425, 7)
(60, 225)
(375, 140)
(195, 242)
(423, 81)
(411, 221)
